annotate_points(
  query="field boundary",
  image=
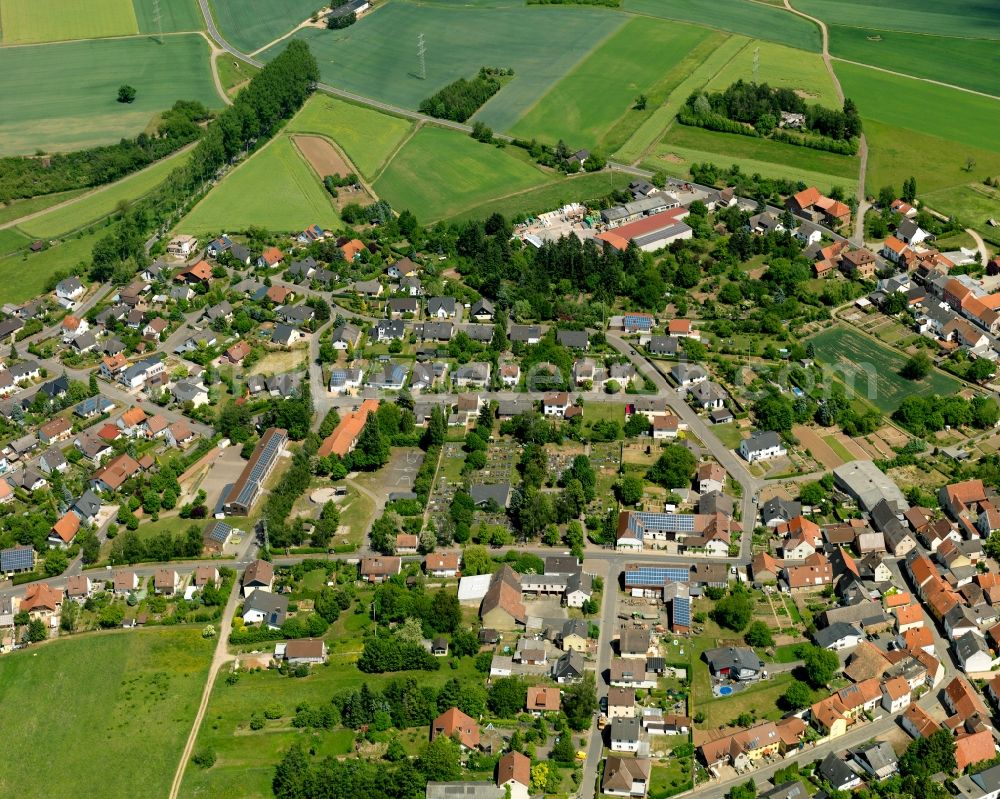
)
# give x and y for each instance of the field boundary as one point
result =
(340, 151)
(395, 151)
(915, 77)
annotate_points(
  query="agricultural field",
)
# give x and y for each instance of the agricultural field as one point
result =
(970, 63)
(17, 209)
(367, 137)
(23, 274)
(100, 702)
(684, 146)
(875, 369)
(740, 16)
(74, 85)
(11, 241)
(252, 24)
(439, 173)
(627, 64)
(779, 66)
(175, 16)
(233, 73)
(34, 21)
(377, 56)
(101, 202)
(972, 204)
(275, 189)
(960, 18)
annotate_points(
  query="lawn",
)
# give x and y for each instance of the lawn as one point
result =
(971, 63)
(627, 64)
(16, 209)
(233, 73)
(246, 759)
(972, 204)
(100, 702)
(23, 275)
(971, 18)
(603, 411)
(439, 173)
(74, 85)
(839, 449)
(895, 100)
(729, 434)
(692, 74)
(760, 698)
(102, 202)
(34, 21)
(377, 56)
(175, 15)
(11, 241)
(874, 369)
(251, 24)
(275, 189)
(368, 137)
(780, 66)
(740, 16)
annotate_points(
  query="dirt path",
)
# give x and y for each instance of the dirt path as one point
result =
(858, 238)
(214, 67)
(219, 659)
(984, 254)
(307, 24)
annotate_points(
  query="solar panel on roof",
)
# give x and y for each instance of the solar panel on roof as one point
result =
(656, 575)
(682, 611)
(219, 532)
(17, 558)
(268, 452)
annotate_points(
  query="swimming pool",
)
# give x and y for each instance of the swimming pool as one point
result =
(725, 690)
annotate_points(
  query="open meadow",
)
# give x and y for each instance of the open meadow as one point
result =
(101, 202)
(629, 63)
(377, 56)
(970, 63)
(874, 369)
(95, 712)
(439, 173)
(969, 18)
(33, 21)
(17, 209)
(175, 16)
(368, 137)
(23, 274)
(252, 24)
(72, 101)
(739, 16)
(274, 189)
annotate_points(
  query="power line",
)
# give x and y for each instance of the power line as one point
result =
(756, 62)
(422, 56)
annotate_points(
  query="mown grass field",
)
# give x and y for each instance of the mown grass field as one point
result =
(691, 74)
(896, 153)
(23, 274)
(627, 64)
(875, 369)
(102, 715)
(102, 202)
(964, 118)
(737, 16)
(233, 74)
(251, 24)
(368, 137)
(16, 209)
(779, 66)
(32, 21)
(175, 15)
(970, 63)
(439, 173)
(64, 96)
(377, 56)
(11, 241)
(972, 204)
(275, 189)
(972, 18)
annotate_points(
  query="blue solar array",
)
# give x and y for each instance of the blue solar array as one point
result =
(17, 558)
(219, 532)
(656, 575)
(632, 320)
(682, 611)
(670, 522)
(267, 455)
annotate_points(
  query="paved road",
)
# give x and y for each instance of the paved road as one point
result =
(609, 571)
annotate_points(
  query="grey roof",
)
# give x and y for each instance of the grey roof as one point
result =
(69, 285)
(437, 331)
(463, 790)
(346, 333)
(761, 440)
(878, 755)
(778, 508)
(273, 606)
(185, 391)
(88, 504)
(219, 311)
(836, 771)
(436, 304)
(685, 372)
(389, 328)
(569, 665)
(404, 304)
(498, 492)
(85, 341)
(577, 339)
(828, 636)
(733, 657)
(787, 790)
(478, 332)
(523, 333)
(864, 481)
(708, 391)
(482, 306)
(283, 334)
(625, 729)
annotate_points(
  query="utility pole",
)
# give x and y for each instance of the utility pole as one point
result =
(422, 56)
(756, 63)
(158, 19)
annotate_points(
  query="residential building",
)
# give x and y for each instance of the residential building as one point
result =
(245, 491)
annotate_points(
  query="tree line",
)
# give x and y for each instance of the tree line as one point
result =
(460, 99)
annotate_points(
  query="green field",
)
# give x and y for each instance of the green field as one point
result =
(439, 173)
(275, 189)
(32, 21)
(692, 75)
(102, 202)
(233, 73)
(737, 16)
(367, 137)
(895, 154)
(972, 204)
(783, 67)
(175, 16)
(16, 209)
(964, 118)
(23, 275)
(11, 241)
(104, 715)
(627, 64)
(875, 369)
(64, 96)
(971, 18)
(251, 24)
(971, 63)
(377, 56)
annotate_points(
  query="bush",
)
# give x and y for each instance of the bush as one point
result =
(204, 757)
(461, 99)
